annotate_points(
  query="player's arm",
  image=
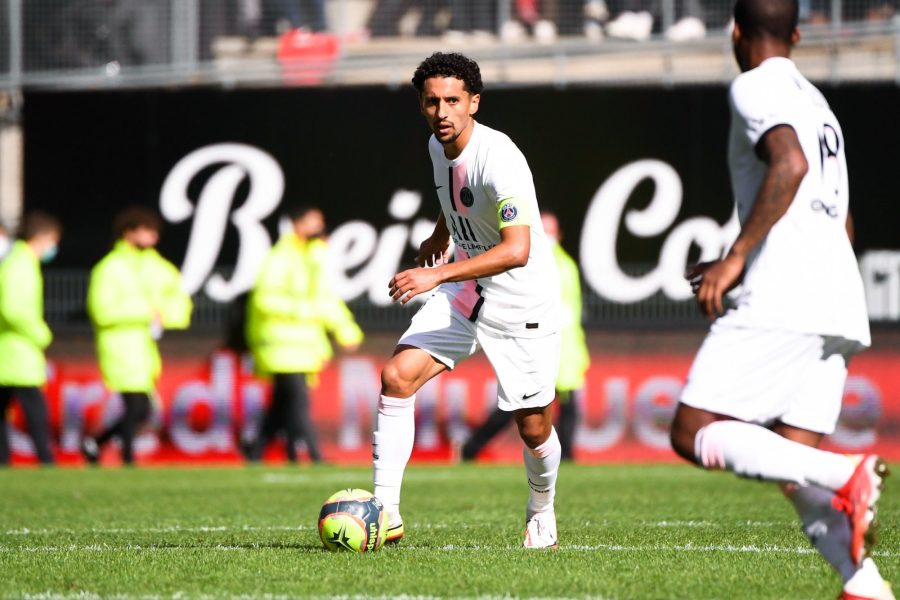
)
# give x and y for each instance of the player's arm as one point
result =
(781, 150)
(511, 252)
(434, 249)
(851, 229)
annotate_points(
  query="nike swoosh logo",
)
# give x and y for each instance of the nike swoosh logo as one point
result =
(437, 187)
(526, 397)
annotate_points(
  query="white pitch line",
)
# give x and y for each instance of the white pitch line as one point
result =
(24, 531)
(659, 548)
(37, 531)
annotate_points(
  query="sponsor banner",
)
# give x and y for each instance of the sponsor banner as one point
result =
(638, 177)
(205, 407)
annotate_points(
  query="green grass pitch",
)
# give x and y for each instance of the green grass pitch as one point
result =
(664, 531)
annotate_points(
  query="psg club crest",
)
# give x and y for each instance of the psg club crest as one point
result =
(508, 212)
(466, 197)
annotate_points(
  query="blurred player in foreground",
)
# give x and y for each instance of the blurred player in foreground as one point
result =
(500, 294)
(24, 335)
(767, 383)
(133, 295)
(574, 357)
(290, 312)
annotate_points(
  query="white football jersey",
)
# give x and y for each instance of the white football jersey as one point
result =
(488, 187)
(803, 276)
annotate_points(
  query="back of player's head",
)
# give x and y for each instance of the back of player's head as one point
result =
(136, 217)
(775, 19)
(453, 64)
(38, 222)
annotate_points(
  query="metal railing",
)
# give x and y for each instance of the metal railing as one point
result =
(65, 292)
(114, 43)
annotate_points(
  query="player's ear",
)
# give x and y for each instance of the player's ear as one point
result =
(473, 106)
(795, 37)
(735, 32)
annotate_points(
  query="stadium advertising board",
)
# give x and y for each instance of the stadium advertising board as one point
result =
(207, 407)
(637, 175)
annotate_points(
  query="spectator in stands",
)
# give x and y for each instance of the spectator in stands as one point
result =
(133, 295)
(635, 20)
(574, 357)
(546, 19)
(309, 14)
(471, 20)
(291, 310)
(385, 18)
(24, 335)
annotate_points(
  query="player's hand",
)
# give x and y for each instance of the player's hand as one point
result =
(711, 281)
(410, 283)
(433, 252)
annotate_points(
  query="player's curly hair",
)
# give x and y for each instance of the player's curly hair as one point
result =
(452, 64)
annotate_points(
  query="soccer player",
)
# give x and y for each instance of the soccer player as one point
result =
(24, 335)
(500, 293)
(767, 383)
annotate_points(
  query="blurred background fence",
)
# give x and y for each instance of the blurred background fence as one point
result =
(66, 43)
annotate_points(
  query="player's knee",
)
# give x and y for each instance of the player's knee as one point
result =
(534, 432)
(395, 383)
(681, 436)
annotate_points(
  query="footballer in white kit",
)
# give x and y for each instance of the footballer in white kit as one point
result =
(499, 293)
(768, 381)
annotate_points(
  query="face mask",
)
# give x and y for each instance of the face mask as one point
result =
(49, 254)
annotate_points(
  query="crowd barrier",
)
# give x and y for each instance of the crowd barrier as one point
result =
(206, 406)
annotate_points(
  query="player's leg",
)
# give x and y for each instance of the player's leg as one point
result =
(526, 371)
(828, 527)
(567, 420)
(437, 338)
(395, 427)
(494, 424)
(753, 377)
(33, 404)
(542, 455)
(5, 398)
(753, 451)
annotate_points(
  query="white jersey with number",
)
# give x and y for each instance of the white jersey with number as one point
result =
(486, 188)
(803, 276)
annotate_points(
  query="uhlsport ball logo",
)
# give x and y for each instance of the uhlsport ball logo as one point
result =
(352, 519)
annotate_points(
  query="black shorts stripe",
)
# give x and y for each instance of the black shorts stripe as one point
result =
(477, 307)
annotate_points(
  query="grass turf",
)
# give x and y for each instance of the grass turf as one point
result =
(667, 531)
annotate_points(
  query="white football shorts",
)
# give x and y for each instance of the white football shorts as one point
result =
(526, 368)
(762, 377)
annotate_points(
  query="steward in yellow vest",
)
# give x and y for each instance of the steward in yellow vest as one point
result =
(290, 314)
(133, 295)
(24, 335)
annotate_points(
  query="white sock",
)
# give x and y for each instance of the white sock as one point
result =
(826, 527)
(754, 452)
(866, 582)
(392, 444)
(542, 466)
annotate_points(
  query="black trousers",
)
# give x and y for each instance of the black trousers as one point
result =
(566, 423)
(31, 399)
(137, 410)
(289, 412)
